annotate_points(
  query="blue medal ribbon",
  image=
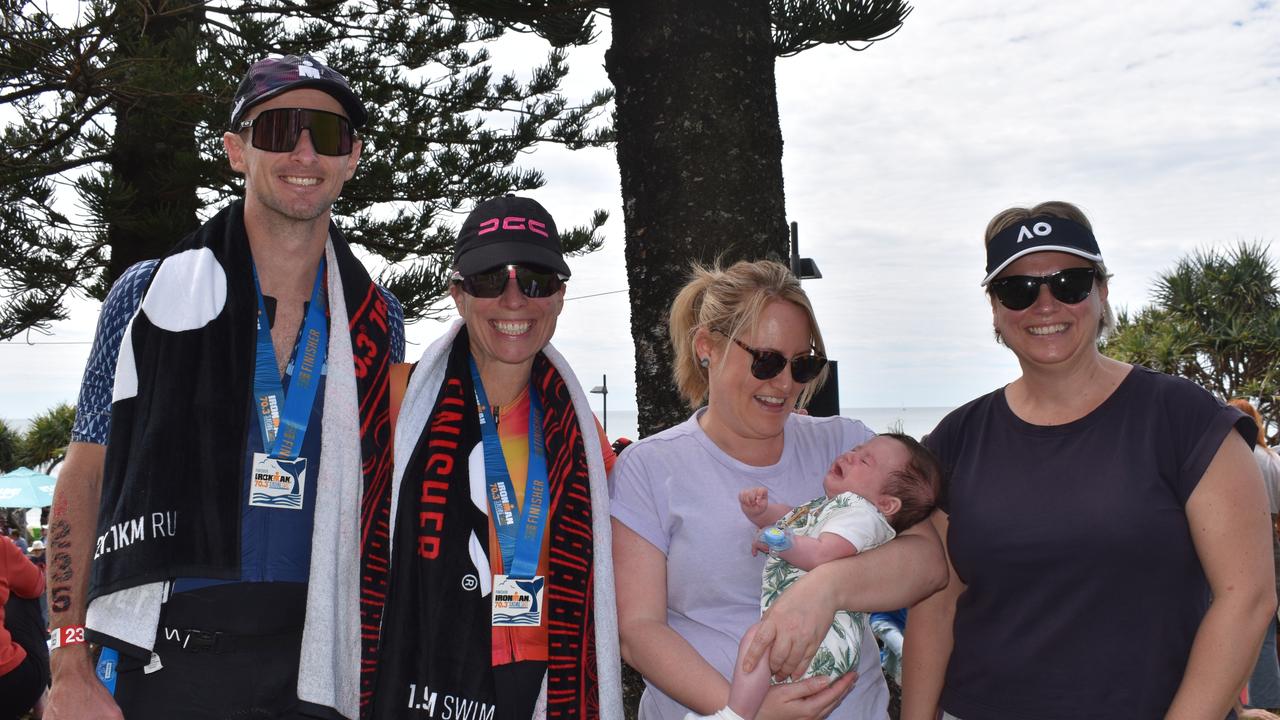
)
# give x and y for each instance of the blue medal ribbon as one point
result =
(519, 530)
(291, 412)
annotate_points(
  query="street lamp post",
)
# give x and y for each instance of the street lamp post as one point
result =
(826, 401)
(603, 391)
(802, 268)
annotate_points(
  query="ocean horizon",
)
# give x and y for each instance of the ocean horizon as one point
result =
(914, 421)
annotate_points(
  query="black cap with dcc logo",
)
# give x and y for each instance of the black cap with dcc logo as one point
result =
(508, 230)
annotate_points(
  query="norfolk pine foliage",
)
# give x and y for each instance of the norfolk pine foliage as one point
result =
(110, 147)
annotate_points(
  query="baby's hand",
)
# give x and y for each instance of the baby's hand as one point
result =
(758, 547)
(754, 502)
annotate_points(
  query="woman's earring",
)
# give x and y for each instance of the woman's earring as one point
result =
(705, 363)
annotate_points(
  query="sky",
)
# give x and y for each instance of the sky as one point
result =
(1160, 118)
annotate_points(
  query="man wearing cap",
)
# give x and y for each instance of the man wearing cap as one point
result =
(501, 597)
(216, 522)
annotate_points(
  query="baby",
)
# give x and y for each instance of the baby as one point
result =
(883, 486)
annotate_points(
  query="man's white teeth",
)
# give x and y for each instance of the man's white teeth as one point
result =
(1047, 329)
(770, 400)
(292, 180)
(518, 327)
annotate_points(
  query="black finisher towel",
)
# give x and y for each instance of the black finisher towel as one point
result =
(171, 490)
(436, 637)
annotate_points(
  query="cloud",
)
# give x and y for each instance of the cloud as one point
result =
(1160, 119)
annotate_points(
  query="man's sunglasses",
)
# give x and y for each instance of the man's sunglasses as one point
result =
(534, 282)
(278, 130)
(766, 364)
(1019, 292)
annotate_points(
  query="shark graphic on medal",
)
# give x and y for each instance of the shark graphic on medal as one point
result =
(277, 483)
(517, 602)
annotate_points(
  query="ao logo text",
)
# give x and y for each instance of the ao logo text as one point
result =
(513, 223)
(1040, 229)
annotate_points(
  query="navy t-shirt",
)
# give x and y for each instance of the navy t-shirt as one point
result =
(1083, 588)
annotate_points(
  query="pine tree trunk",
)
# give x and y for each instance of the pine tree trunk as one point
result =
(154, 156)
(700, 154)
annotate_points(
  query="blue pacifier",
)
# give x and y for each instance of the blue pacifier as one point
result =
(777, 539)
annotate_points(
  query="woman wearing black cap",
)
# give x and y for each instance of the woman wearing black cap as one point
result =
(500, 603)
(1091, 511)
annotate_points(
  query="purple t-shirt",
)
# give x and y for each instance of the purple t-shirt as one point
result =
(679, 491)
(1083, 588)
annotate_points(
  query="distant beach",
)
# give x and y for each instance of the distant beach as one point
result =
(914, 421)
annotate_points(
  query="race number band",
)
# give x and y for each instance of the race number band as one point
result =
(66, 635)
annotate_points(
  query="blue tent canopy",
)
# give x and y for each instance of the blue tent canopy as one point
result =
(26, 488)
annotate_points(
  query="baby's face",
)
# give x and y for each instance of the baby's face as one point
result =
(865, 469)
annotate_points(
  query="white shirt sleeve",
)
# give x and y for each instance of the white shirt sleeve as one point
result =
(1271, 478)
(860, 523)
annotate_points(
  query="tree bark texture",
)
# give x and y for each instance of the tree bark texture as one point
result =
(154, 201)
(700, 156)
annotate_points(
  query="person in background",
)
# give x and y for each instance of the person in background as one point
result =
(1092, 509)
(36, 556)
(1264, 681)
(621, 444)
(888, 628)
(747, 349)
(216, 519)
(501, 596)
(22, 679)
(19, 539)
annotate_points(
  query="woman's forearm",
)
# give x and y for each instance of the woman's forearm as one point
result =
(1233, 542)
(926, 650)
(895, 575)
(1222, 654)
(928, 642)
(648, 643)
(668, 661)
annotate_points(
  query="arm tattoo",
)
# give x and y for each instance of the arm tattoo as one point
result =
(58, 534)
(60, 566)
(61, 571)
(60, 598)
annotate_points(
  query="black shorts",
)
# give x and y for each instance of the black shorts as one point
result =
(226, 652)
(20, 688)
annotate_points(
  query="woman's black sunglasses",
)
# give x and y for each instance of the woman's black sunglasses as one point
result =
(278, 130)
(766, 364)
(534, 282)
(1019, 292)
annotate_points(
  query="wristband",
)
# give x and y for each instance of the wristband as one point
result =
(67, 635)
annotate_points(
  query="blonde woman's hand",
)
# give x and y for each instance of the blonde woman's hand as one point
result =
(793, 628)
(810, 699)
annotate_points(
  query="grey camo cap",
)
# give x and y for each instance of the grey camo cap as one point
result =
(273, 76)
